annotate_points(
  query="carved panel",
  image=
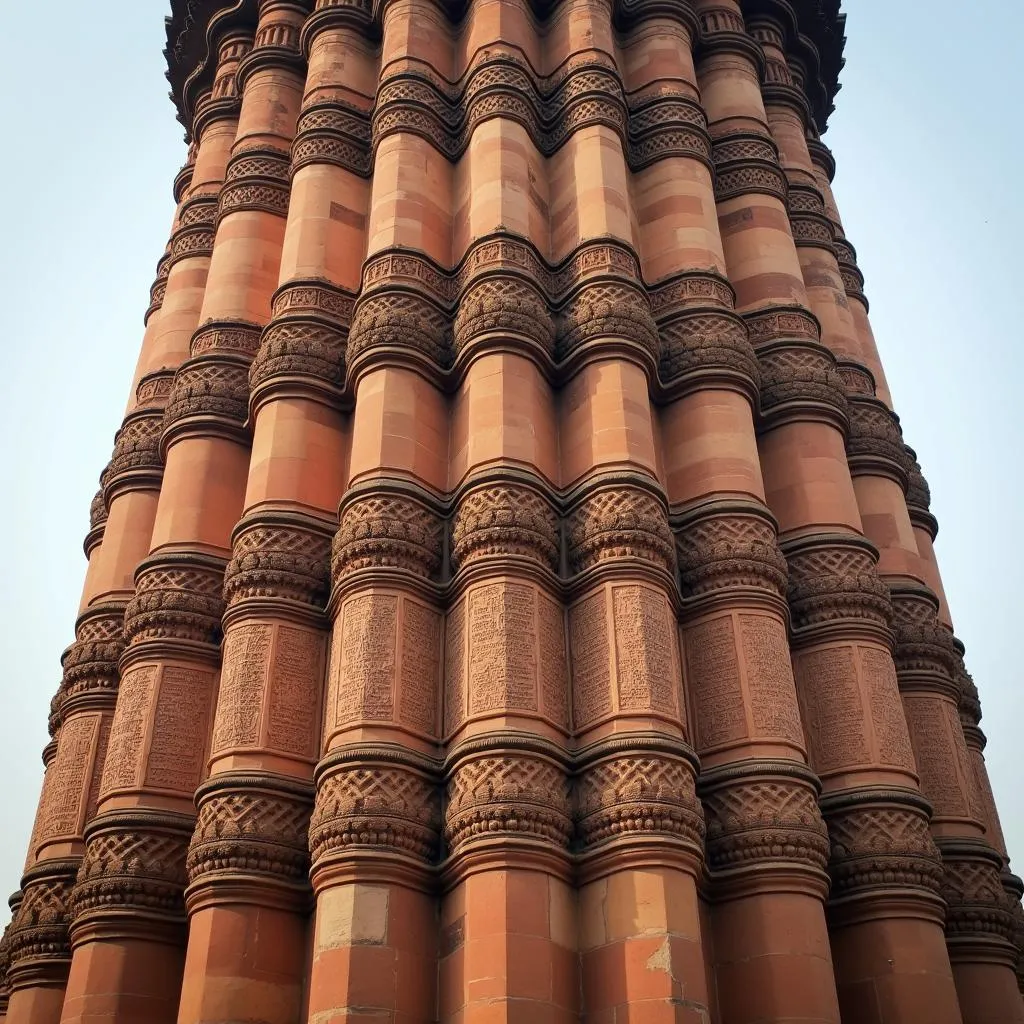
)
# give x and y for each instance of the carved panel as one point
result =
(646, 650)
(67, 791)
(832, 706)
(364, 658)
(421, 666)
(128, 735)
(296, 680)
(942, 765)
(455, 667)
(713, 680)
(769, 671)
(554, 673)
(502, 648)
(591, 665)
(177, 750)
(242, 684)
(887, 715)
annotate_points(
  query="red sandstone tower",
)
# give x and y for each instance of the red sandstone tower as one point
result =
(511, 598)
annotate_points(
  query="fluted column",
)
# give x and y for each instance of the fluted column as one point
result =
(884, 865)
(248, 862)
(508, 917)
(767, 846)
(639, 828)
(980, 923)
(374, 834)
(83, 708)
(169, 670)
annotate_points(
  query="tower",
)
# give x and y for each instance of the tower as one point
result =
(511, 595)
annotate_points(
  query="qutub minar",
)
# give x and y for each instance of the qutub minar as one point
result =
(511, 597)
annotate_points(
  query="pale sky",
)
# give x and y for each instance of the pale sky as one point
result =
(926, 136)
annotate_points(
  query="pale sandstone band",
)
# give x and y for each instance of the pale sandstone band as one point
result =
(566, 347)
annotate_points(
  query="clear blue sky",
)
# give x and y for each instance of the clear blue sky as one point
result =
(926, 135)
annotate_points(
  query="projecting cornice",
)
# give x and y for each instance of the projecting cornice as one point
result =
(813, 30)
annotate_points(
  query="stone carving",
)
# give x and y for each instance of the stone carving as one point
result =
(924, 648)
(211, 393)
(515, 793)
(728, 549)
(401, 319)
(701, 341)
(154, 389)
(363, 799)
(505, 307)
(256, 179)
(387, 531)
(176, 598)
(808, 220)
(502, 520)
(221, 336)
(136, 461)
(881, 839)
(607, 310)
(90, 663)
(800, 377)
(762, 812)
(39, 929)
(621, 522)
(792, 324)
(746, 163)
(252, 825)
(195, 233)
(279, 556)
(300, 349)
(977, 906)
(833, 578)
(133, 861)
(585, 91)
(875, 442)
(333, 133)
(626, 793)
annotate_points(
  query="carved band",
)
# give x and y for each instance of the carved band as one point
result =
(617, 522)
(397, 531)
(636, 787)
(807, 218)
(251, 825)
(979, 911)
(136, 463)
(760, 812)
(800, 381)
(210, 398)
(505, 520)
(134, 867)
(91, 675)
(382, 796)
(924, 655)
(335, 133)
(508, 786)
(874, 446)
(701, 346)
(748, 164)
(832, 578)
(728, 546)
(283, 556)
(256, 180)
(881, 841)
(38, 944)
(179, 599)
(585, 92)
